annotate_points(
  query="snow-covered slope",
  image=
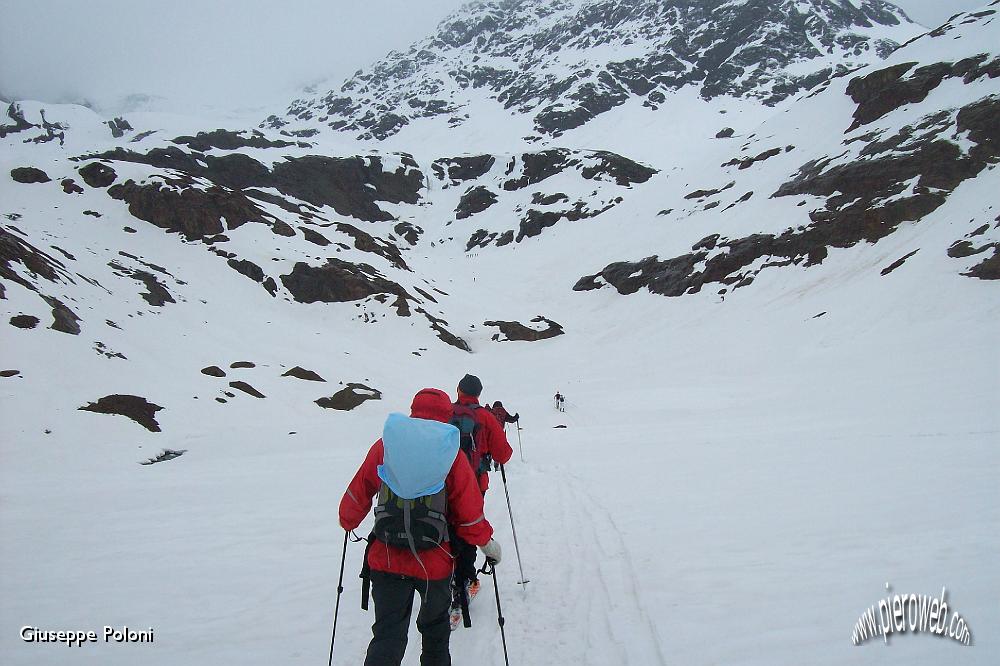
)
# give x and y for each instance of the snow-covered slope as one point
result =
(778, 346)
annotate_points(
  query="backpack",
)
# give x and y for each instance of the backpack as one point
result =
(417, 524)
(464, 418)
(412, 503)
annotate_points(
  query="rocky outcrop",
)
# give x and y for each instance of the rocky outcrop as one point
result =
(193, 212)
(24, 321)
(349, 397)
(70, 187)
(229, 140)
(14, 249)
(29, 175)
(340, 281)
(246, 388)
(475, 200)
(883, 91)
(302, 373)
(134, 407)
(15, 113)
(514, 330)
(96, 174)
(156, 293)
(866, 200)
(458, 169)
(352, 186)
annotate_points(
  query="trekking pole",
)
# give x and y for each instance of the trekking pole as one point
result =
(517, 424)
(513, 530)
(489, 568)
(340, 589)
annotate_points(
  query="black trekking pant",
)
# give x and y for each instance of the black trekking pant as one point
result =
(393, 596)
(465, 563)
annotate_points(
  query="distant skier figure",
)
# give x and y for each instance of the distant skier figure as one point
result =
(560, 402)
(502, 415)
(427, 490)
(483, 441)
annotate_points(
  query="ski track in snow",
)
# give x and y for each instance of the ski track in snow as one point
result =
(586, 603)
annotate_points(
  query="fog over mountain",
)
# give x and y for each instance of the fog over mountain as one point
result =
(120, 56)
(754, 244)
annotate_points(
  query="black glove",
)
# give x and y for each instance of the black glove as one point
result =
(517, 417)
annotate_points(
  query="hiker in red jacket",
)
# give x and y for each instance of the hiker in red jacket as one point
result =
(396, 572)
(502, 416)
(488, 442)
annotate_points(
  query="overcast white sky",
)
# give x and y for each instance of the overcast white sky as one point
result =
(223, 53)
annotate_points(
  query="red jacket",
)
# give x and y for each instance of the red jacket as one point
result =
(465, 513)
(490, 439)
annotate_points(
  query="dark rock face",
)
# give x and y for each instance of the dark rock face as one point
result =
(368, 243)
(606, 166)
(247, 268)
(339, 281)
(64, 320)
(513, 330)
(195, 213)
(315, 237)
(29, 175)
(227, 140)
(70, 187)
(134, 407)
(213, 371)
(247, 388)
(15, 113)
(989, 268)
(342, 183)
(885, 90)
(349, 397)
(13, 249)
(475, 200)
(458, 169)
(118, 127)
(302, 373)
(96, 174)
(410, 233)
(156, 293)
(167, 454)
(747, 162)
(350, 185)
(509, 51)
(896, 264)
(440, 327)
(24, 321)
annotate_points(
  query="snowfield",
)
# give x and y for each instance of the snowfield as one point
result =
(738, 476)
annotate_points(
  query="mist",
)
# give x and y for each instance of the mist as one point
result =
(113, 55)
(119, 56)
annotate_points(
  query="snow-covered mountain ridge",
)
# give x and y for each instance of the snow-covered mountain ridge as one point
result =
(564, 63)
(772, 325)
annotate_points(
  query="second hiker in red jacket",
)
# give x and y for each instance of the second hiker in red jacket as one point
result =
(490, 440)
(482, 438)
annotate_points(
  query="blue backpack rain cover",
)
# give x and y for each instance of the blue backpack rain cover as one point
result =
(413, 502)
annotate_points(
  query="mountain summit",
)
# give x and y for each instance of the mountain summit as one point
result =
(563, 63)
